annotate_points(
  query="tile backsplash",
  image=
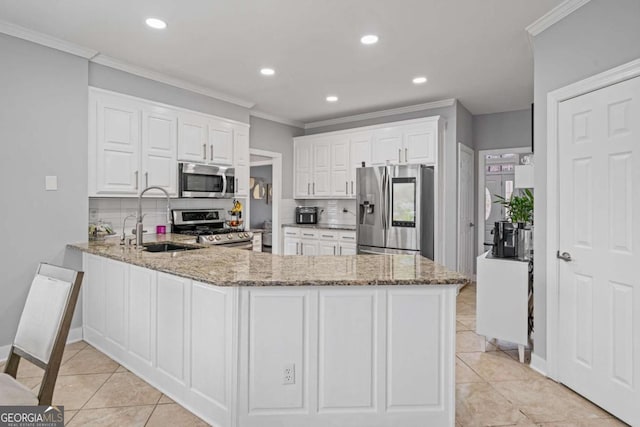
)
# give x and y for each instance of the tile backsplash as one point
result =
(114, 210)
(332, 211)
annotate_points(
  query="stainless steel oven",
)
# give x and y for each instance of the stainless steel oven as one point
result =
(205, 181)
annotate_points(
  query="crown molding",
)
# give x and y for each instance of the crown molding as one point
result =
(164, 78)
(278, 119)
(556, 14)
(382, 113)
(46, 40)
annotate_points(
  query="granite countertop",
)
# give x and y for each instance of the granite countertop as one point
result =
(235, 267)
(347, 227)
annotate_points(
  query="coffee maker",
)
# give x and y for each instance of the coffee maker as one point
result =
(505, 240)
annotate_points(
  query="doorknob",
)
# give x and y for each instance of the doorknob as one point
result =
(471, 224)
(565, 256)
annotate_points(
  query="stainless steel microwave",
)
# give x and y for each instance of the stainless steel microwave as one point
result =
(205, 181)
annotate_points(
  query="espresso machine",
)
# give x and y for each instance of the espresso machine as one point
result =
(512, 241)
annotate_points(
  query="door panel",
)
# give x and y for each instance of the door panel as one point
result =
(386, 146)
(369, 205)
(192, 139)
(466, 246)
(159, 151)
(599, 292)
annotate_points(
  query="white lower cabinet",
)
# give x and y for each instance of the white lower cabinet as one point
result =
(318, 241)
(274, 356)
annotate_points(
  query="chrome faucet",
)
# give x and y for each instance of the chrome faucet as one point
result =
(124, 229)
(139, 226)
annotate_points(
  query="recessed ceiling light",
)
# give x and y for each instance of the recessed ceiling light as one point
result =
(369, 39)
(332, 98)
(419, 80)
(267, 71)
(156, 23)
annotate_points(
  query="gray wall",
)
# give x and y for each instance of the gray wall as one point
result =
(511, 129)
(120, 81)
(260, 210)
(272, 136)
(598, 36)
(43, 131)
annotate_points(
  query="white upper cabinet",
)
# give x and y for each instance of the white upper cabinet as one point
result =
(321, 182)
(420, 143)
(114, 156)
(192, 138)
(360, 152)
(241, 161)
(340, 175)
(159, 150)
(386, 146)
(220, 143)
(302, 169)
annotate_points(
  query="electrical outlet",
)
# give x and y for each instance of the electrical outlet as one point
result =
(289, 374)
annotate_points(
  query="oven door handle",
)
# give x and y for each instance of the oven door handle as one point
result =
(239, 245)
(224, 184)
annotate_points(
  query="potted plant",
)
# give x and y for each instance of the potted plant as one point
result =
(519, 209)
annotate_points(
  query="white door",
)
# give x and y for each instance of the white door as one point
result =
(309, 247)
(242, 173)
(118, 148)
(241, 161)
(291, 246)
(326, 247)
(192, 138)
(321, 184)
(159, 145)
(386, 146)
(466, 227)
(347, 249)
(304, 171)
(340, 167)
(360, 146)
(220, 144)
(599, 227)
(420, 143)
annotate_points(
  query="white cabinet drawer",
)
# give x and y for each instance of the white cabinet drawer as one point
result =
(291, 232)
(308, 233)
(327, 235)
(348, 236)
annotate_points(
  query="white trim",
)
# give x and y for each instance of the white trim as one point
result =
(538, 364)
(278, 119)
(276, 175)
(46, 40)
(75, 335)
(469, 150)
(481, 184)
(166, 79)
(261, 163)
(371, 127)
(590, 84)
(382, 113)
(557, 14)
(93, 89)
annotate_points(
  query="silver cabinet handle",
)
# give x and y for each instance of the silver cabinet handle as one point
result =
(346, 187)
(352, 188)
(565, 256)
(308, 188)
(399, 155)
(204, 151)
(136, 174)
(236, 189)
(406, 159)
(146, 179)
(334, 250)
(340, 250)
(297, 244)
(314, 188)
(211, 152)
(301, 248)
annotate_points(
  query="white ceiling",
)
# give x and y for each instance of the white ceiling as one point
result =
(475, 51)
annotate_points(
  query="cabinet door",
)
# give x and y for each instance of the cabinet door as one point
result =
(340, 167)
(360, 147)
(291, 246)
(220, 144)
(386, 146)
(242, 181)
(309, 247)
(241, 146)
(327, 248)
(302, 169)
(159, 146)
(192, 138)
(321, 184)
(117, 151)
(347, 249)
(420, 143)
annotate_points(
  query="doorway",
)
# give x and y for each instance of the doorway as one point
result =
(265, 195)
(466, 203)
(496, 173)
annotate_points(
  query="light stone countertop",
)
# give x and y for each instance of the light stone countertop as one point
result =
(346, 227)
(235, 267)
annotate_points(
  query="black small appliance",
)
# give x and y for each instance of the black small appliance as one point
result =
(505, 240)
(306, 215)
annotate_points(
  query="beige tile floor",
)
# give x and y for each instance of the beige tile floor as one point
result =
(492, 389)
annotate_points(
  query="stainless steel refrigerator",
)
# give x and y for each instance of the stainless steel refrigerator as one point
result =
(395, 210)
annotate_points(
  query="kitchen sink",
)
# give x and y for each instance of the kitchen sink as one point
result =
(168, 247)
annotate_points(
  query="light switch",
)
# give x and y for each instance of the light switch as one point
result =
(51, 183)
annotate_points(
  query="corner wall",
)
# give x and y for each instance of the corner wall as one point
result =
(43, 131)
(599, 36)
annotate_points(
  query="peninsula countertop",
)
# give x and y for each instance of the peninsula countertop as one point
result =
(345, 227)
(221, 266)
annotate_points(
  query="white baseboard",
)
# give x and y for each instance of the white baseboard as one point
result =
(538, 364)
(75, 335)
